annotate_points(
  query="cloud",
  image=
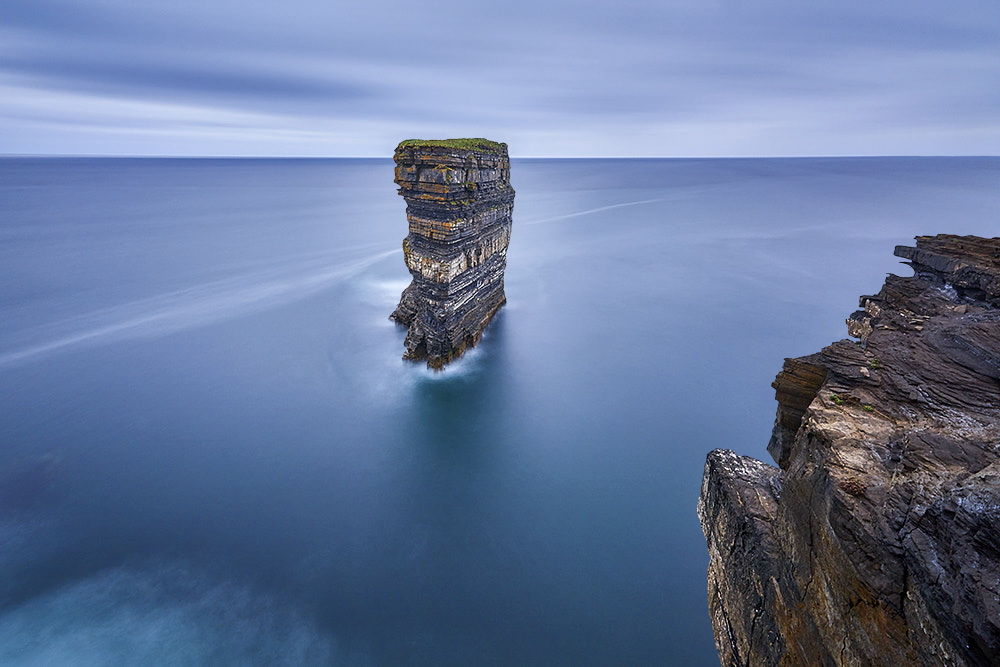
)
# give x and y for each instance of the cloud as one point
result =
(633, 77)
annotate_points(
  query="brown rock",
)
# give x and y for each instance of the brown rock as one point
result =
(877, 540)
(458, 204)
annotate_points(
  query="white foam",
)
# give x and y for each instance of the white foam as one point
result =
(682, 193)
(190, 307)
(384, 293)
(170, 614)
(589, 211)
(465, 366)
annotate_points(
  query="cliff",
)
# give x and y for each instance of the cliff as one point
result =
(876, 540)
(458, 204)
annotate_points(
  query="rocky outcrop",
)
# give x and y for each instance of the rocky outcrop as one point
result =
(877, 539)
(458, 204)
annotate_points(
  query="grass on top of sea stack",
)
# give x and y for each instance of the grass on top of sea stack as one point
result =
(465, 144)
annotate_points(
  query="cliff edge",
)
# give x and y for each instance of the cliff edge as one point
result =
(458, 204)
(876, 540)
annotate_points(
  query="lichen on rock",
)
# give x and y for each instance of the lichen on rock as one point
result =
(877, 539)
(458, 204)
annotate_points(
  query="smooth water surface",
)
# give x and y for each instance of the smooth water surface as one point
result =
(213, 454)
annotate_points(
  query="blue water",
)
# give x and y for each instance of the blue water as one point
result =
(212, 453)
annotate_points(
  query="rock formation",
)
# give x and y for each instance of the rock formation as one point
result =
(877, 539)
(458, 204)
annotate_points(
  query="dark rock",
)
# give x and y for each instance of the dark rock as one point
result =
(458, 204)
(877, 540)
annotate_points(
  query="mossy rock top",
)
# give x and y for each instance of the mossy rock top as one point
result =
(462, 144)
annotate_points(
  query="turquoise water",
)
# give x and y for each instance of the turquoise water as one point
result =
(213, 454)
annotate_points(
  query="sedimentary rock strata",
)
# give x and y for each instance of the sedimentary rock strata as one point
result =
(877, 539)
(458, 204)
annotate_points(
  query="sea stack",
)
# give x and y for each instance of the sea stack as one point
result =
(876, 540)
(458, 205)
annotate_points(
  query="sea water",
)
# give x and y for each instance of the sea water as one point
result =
(213, 454)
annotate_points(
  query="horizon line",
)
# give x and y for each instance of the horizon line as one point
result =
(513, 157)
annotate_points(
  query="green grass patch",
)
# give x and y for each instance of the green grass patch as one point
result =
(464, 144)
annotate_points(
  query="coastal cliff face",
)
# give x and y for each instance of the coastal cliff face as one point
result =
(876, 540)
(458, 203)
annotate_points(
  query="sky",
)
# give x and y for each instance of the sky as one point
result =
(552, 78)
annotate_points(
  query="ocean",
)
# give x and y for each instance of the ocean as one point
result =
(211, 452)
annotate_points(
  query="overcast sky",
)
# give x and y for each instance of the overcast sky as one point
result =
(551, 78)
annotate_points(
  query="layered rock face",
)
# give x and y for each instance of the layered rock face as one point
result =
(877, 539)
(458, 204)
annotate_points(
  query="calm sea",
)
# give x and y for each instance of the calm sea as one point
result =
(212, 454)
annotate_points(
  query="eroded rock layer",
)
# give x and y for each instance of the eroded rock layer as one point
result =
(458, 204)
(877, 539)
